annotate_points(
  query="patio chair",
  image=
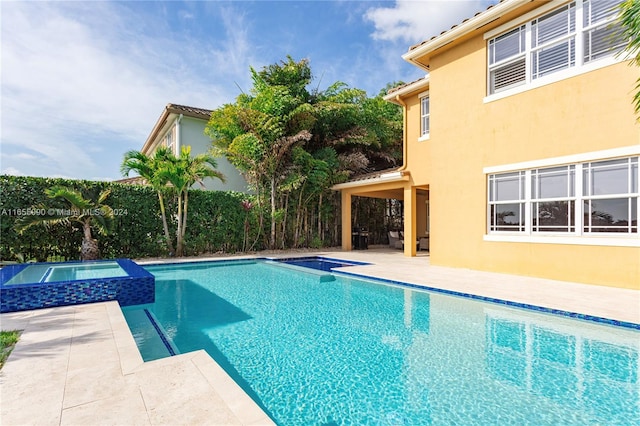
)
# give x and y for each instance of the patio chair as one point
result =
(395, 241)
(424, 243)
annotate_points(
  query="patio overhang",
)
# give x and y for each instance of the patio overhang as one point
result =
(382, 184)
(385, 184)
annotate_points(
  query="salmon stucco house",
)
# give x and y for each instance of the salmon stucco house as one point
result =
(521, 146)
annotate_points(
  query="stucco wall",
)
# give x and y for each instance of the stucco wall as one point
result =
(192, 133)
(586, 113)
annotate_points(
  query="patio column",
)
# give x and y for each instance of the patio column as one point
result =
(410, 232)
(346, 219)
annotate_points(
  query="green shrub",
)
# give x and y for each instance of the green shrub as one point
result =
(215, 223)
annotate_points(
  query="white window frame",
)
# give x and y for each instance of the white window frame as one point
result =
(630, 196)
(580, 66)
(581, 235)
(537, 200)
(170, 141)
(424, 135)
(494, 203)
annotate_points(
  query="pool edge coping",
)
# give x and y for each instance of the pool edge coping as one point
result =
(246, 410)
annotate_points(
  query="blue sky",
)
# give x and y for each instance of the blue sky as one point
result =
(82, 82)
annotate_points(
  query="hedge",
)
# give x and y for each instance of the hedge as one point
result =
(216, 222)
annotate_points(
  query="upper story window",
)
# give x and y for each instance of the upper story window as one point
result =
(169, 141)
(553, 41)
(570, 36)
(424, 116)
(601, 35)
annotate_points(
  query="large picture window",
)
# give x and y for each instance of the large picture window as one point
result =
(568, 37)
(579, 199)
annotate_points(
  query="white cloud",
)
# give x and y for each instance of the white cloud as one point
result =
(12, 171)
(415, 21)
(83, 83)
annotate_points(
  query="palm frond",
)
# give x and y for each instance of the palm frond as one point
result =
(72, 196)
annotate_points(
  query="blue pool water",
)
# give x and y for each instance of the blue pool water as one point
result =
(349, 351)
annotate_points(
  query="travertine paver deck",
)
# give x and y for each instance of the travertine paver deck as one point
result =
(80, 365)
(600, 301)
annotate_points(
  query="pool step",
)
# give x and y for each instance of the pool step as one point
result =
(150, 337)
(322, 275)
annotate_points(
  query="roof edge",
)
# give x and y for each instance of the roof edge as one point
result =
(407, 88)
(193, 112)
(462, 29)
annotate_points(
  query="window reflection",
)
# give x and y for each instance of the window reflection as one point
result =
(554, 363)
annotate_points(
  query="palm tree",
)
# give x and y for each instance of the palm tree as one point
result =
(151, 169)
(630, 19)
(182, 173)
(86, 208)
(167, 173)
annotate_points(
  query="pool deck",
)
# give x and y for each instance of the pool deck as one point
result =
(80, 365)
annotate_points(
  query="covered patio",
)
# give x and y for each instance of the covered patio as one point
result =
(389, 184)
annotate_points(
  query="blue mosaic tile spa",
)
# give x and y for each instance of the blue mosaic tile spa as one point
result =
(45, 285)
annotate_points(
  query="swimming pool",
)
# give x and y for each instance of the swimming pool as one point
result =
(350, 351)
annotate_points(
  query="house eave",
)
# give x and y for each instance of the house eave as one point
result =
(172, 110)
(461, 30)
(391, 97)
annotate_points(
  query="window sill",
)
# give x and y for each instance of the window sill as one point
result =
(628, 240)
(424, 138)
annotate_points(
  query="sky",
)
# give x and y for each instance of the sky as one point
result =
(83, 82)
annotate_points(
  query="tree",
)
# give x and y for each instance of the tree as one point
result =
(630, 19)
(258, 133)
(182, 173)
(173, 176)
(293, 144)
(150, 168)
(86, 208)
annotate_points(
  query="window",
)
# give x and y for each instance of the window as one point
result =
(424, 116)
(553, 44)
(568, 37)
(169, 142)
(507, 202)
(553, 199)
(601, 35)
(583, 199)
(507, 60)
(611, 196)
